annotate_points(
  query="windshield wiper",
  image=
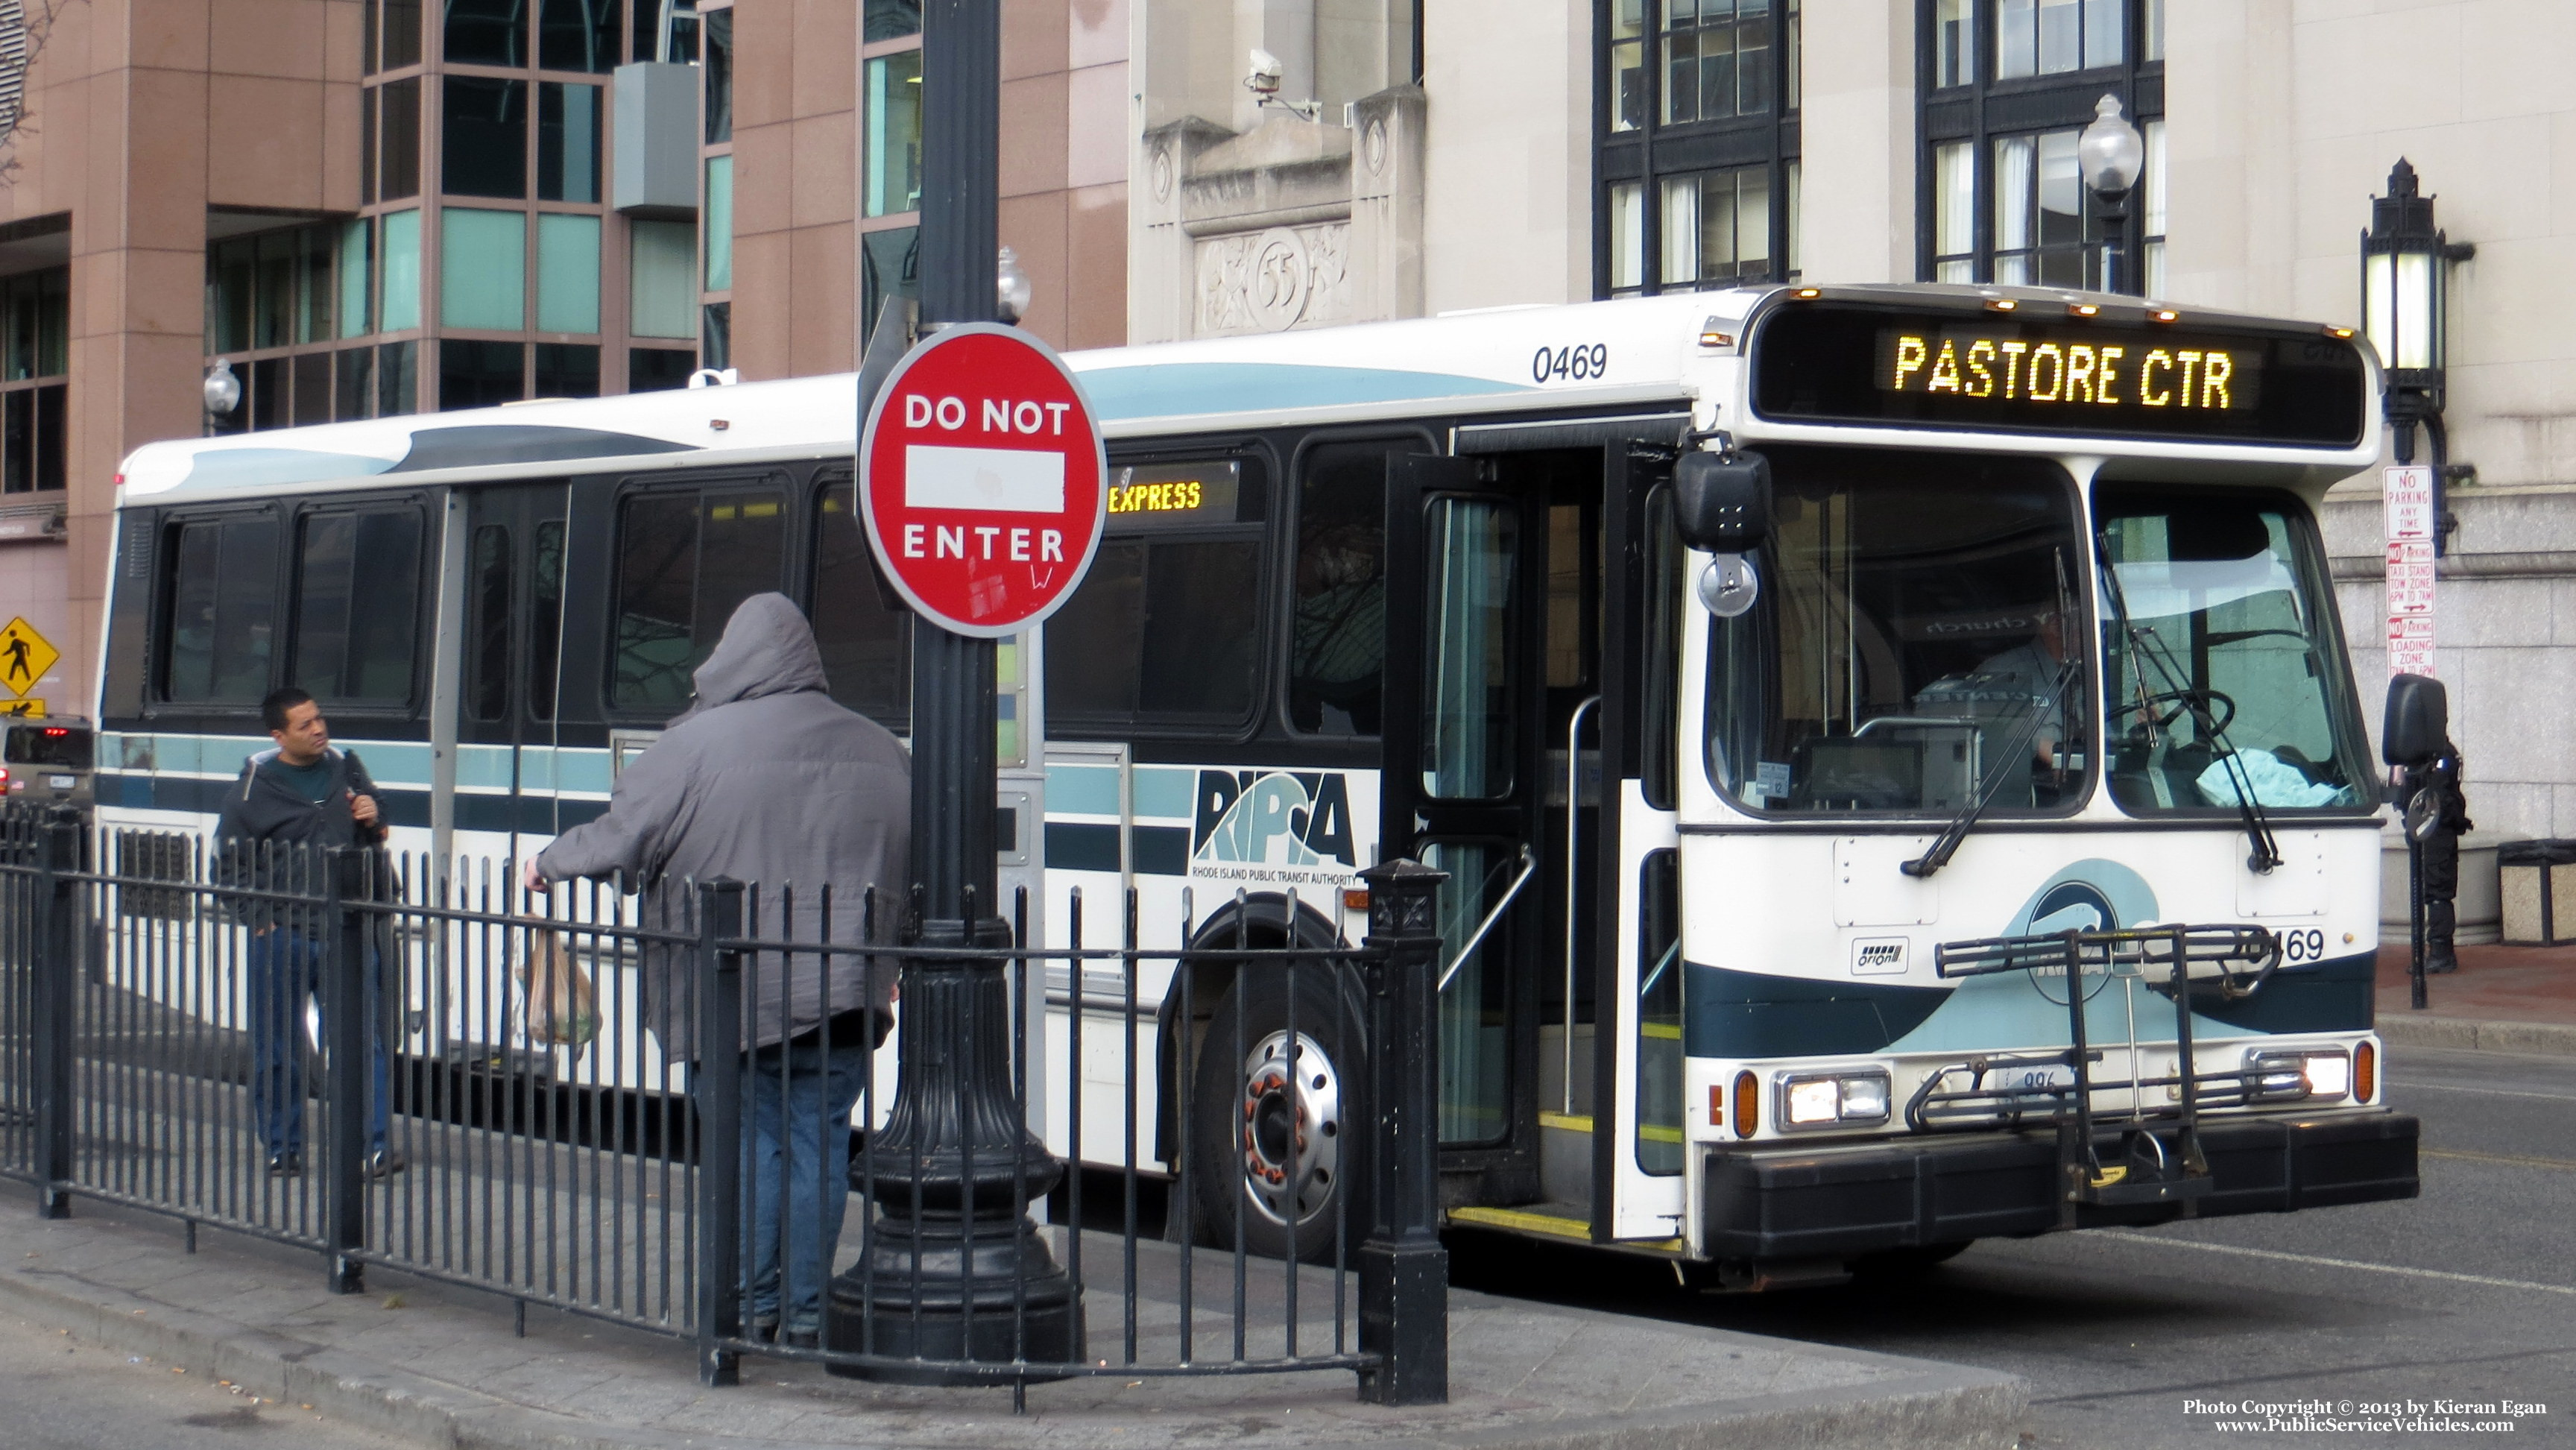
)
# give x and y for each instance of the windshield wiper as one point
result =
(2151, 647)
(1947, 844)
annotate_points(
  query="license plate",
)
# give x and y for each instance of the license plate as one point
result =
(61, 782)
(2030, 1077)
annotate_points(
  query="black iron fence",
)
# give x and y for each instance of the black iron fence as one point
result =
(671, 1109)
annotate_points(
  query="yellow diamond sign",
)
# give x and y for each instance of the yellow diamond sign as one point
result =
(25, 657)
(21, 709)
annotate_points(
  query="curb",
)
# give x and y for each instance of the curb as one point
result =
(2549, 1039)
(1957, 1407)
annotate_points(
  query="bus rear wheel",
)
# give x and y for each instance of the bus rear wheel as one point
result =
(1274, 1143)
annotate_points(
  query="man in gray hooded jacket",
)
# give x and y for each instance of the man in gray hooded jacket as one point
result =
(767, 780)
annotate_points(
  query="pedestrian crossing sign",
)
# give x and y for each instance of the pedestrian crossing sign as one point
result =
(22, 709)
(25, 658)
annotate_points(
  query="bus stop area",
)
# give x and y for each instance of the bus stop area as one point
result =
(448, 1366)
(2502, 999)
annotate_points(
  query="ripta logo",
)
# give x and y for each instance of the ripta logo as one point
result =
(1273, 818)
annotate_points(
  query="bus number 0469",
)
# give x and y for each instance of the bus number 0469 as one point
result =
(1575, 361)
(2304, 946)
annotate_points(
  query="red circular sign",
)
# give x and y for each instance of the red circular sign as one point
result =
(982, 480)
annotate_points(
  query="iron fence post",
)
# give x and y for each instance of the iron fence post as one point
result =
(55, 989)
(347, 1039)
(716, 1083)
(1403, 1270)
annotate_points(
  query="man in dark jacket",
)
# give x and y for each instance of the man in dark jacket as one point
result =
(767, 780)
(2441, 852)
(288, 806)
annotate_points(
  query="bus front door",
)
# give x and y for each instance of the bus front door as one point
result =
(1461, 789)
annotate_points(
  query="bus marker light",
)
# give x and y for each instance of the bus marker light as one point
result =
(1716, 1106)
(1808, 292)
(2338, 332)
(1748, 1104)
(2365, 1073)
(2162, 314)
(1354, 898)
(2083, 309)
(2000, 304)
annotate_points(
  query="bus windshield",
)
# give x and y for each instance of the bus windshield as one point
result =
(1916, 643)
(2223, 673)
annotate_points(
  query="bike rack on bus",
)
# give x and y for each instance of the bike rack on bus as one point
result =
(2011, 1090)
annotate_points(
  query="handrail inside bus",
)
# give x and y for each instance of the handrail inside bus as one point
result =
(1573, 876)
(1529, 864)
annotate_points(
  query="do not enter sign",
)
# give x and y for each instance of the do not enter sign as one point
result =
(981, 475)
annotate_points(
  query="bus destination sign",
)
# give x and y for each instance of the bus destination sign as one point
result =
(1852, 362)
(1186, 493)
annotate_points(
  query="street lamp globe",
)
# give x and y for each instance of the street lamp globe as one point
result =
(1011, 287)
(222, 388)
(2110, 151)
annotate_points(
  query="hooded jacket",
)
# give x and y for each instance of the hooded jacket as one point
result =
(270, 837)
(765, 779)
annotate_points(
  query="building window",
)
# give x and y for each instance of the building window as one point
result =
(1697, 137)
(577, 35)
(567, 142)
(719, 214)
(889, 266)
(281, 307)
(35, 391)
(2008, 86)
(893, 143)
(662, 283)
(483, 269)
(567, 272)
(893, 19)
(473, 373)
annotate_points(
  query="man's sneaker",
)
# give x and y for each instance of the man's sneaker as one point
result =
(385, 1163)
(285, 1165)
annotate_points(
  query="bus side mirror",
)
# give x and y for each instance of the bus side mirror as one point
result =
(1722, 501)
(2418, 724)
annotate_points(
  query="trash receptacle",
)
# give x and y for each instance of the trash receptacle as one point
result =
(2537, 881)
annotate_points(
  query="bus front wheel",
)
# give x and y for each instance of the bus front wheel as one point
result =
(1276, 1141)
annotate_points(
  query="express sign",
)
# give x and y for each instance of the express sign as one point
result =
(982, 475)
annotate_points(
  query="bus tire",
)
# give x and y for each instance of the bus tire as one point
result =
(1905, 1262)
(1250, 1154)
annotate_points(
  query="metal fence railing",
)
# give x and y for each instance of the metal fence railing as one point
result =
(665, 1109)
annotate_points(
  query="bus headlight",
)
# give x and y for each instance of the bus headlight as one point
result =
(2311, 1075)
(1829, 1100)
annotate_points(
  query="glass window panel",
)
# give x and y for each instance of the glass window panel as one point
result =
(545, 615)
(566, 370)
(399, 309)
(1201, 617)
(715, 335)
(2016, 193)
(314, 292)
(479, 374)
(2152, 208)
(273, 284)
(719, 214)
(397, 379)
(357, 605)
(17, 441)
(2017, 39)
(1627, 236)
(487, 625)
(1753, 66)
(867, 646)
(1467, 727)
(1954, 202)
(1753, 222)
(222, 612)
(567, 273)
(2061, 43)
(367, 36)
(1628, 64)
(400, 30)
(399, 138)
(1955, 52)
(485, 137)
(2105, 38)
(487, 32)
(267, 397)
(1793, 61)
(1337, 640)
(1793, 172)
(1660, 1069)
(357, 271)
(684, 562)
(483, 269)
(567, 142)
(2151, 24)
(1682, 232)
(230, 284)
(577, 35)
(662, 279)
(1092, 660)
(2061, 191)
(718, 40)
(1681, 78)
(312, 388)
(369, 103)
(893, 179)
(893, 19)
(1475, 1046)
(354, 385)
(654, 369)
(890, 266)
(53, 444)
(54, 322)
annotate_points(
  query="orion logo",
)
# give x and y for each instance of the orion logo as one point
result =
(1275, 818)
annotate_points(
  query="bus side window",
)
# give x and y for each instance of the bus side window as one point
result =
(684, 561)
(487, 636)
(357, 612)
(1337, 640)
(1658, 696)
(867, 647)
(545, 616)
(221, 621)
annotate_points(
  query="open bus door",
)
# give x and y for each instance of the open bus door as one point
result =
(1461, 788)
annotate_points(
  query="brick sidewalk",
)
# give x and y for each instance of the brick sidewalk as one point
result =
(2505, 999)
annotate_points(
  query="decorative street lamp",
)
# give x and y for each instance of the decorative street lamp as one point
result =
(2110, 155)
(2405, 274)
(223, 389)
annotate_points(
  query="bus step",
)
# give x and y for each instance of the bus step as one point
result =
(1553, 1220)
(1566, 1122)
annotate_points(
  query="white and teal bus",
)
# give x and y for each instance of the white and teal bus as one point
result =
(1780, 675)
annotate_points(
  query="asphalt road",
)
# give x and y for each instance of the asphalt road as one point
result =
(59, 1393)
(2467, 1294)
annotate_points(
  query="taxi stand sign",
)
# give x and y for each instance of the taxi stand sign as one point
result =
(983, 480)
(2406, 493)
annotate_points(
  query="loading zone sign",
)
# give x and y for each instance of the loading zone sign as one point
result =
(26, 657)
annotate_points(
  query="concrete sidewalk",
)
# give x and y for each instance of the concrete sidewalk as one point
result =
(2502, 999)
(442, 1365)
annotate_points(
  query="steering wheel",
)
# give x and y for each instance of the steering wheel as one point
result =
(2153, 709)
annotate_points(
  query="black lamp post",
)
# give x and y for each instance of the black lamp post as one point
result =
(2405, 274)
(2110, 154)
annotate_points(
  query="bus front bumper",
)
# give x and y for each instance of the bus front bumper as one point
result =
(1821, 1200)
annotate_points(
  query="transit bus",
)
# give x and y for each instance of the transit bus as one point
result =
(1893, 749)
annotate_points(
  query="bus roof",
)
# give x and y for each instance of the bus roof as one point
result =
(1514, 359)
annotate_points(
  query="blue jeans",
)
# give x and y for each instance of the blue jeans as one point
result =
(796, 1106)
(284, 972)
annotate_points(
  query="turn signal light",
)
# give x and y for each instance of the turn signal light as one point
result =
(1748, 1104)
(2000, 304)
(1355, 898)
(1716, 1106)
(2365, 1073)
(2162, 314)
(2083, 309)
